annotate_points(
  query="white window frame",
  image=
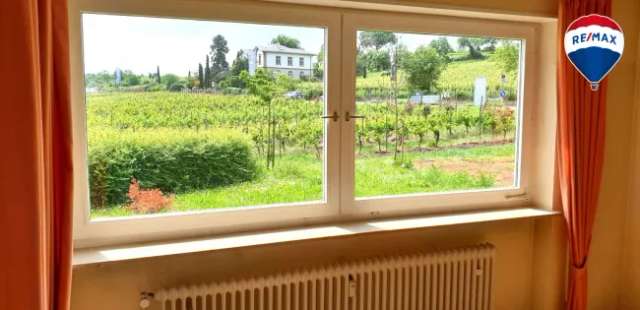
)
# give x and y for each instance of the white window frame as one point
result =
(339, 203)
(278, 60)
(89, 232)
(455, 201)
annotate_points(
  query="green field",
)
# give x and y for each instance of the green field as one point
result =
(192, 151)
(461, 160)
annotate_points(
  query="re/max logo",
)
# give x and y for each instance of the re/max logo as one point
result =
(594, 36)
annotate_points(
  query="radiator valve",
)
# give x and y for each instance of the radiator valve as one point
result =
(145, 299)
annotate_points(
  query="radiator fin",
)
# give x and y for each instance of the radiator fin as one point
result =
(459, 279)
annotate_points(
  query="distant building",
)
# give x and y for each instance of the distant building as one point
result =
(294, 62)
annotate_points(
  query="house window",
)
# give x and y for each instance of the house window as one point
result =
(435, 121)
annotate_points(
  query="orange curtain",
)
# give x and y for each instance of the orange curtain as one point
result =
(35, 157)
(580, 147)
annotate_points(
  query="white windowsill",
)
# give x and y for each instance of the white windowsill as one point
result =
(122, 253)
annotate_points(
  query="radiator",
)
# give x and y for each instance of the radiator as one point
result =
(447, 280)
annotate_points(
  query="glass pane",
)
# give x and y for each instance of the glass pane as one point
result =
(190, 115)
(441, 113)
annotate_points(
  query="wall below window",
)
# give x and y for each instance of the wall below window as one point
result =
(117, 285)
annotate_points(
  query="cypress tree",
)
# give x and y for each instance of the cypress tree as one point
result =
(207, 73)
(158, 75)
(200, 75)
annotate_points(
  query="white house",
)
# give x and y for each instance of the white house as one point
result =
(295, 62)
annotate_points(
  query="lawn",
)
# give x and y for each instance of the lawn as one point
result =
(297, 177)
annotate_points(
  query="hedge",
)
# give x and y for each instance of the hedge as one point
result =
(173, 161)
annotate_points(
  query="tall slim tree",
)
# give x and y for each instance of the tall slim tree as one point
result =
(158, 78)
(200, 75)
(219, 64)
(207, 73)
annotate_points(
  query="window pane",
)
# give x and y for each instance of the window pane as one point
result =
(188, 115)
(441, 113)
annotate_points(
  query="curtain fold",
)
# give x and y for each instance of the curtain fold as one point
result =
(579, 150)
(36, 156)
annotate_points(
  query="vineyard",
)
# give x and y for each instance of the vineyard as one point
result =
(185, 143)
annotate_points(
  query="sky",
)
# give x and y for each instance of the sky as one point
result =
(140, 44)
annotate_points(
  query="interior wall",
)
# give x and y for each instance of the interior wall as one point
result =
(522, 284)
(631, 240)
(118, 285)
(605, 272)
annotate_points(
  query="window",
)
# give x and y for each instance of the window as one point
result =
(437, 117)
(395, 116)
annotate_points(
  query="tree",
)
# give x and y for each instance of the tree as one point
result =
(170, 79)
(377, 60)
(264, 86)
(287, 41)
(241, 63)
(441, 45)
(489, 44)
(474, 46)
(200, 75)
(219, 64)
(158, 79)
(318, 67)
(207, 73)
(376, 39)
(507, 56)
(423, 68)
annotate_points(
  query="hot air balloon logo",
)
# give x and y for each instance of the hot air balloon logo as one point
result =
(594, 45)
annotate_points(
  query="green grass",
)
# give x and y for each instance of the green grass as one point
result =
(297, 177)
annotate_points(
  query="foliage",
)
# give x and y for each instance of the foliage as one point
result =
(287, 41)
(376, 39)
(474, 46)
(219, 65)
(207, 73)
(423, 68)
(318, 67)
(376, 60)
(172, 161)
(507, 55)
(147, 200)
(442, 47)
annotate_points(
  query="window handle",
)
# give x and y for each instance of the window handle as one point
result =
(347, 116)
(333, 116)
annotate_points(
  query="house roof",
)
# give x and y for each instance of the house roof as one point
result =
(277, 48)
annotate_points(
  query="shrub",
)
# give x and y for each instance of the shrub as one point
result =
(172, 161)
(147, 200)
